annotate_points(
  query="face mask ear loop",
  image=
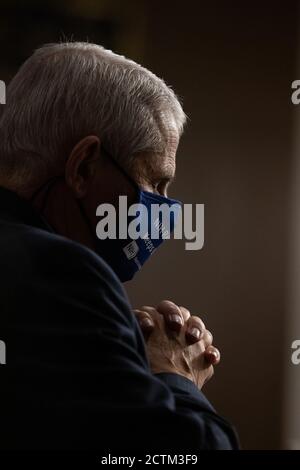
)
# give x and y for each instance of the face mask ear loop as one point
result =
(121, 169)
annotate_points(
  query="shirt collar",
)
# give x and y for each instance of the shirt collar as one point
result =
(15, 209)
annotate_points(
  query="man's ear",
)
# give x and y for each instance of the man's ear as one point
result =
(81, 165)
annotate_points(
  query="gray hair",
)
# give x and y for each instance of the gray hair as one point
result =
(67, 91)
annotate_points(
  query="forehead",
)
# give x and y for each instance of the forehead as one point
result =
(163, 165)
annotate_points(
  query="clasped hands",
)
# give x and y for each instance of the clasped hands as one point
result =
(178, 342)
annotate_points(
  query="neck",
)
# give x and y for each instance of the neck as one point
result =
(63, 212)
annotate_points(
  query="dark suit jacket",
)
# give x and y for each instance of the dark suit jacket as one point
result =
(76, 374)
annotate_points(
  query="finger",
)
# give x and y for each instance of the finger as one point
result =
(172, 315)
(207, 338)
(195, 330)
(185, 313)
(145, 321)
(212, 355)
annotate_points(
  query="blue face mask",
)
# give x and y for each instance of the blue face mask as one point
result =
(127, 256)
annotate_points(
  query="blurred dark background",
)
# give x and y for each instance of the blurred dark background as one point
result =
(232, 64)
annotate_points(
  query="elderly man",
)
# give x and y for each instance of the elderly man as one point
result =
(81, 127)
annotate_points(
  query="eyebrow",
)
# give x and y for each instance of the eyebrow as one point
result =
(166, 173)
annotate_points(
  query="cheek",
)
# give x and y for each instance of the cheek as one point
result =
(106, 188)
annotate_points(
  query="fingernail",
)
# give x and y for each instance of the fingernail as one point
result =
(194, 332)
(213, 356)
(176, 319)
(146, 323)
